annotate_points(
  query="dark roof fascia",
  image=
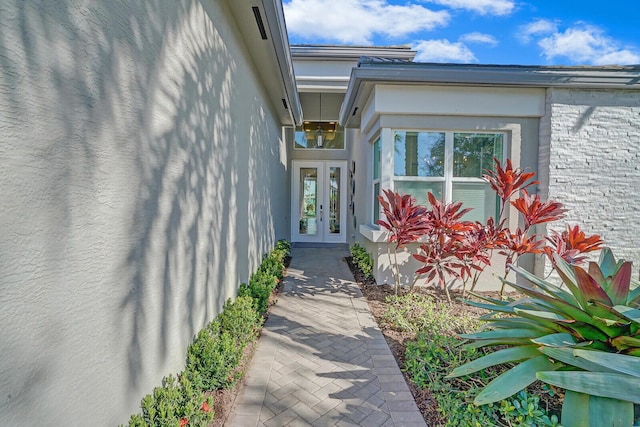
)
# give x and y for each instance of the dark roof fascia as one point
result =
(390, 72)
(280, 41)
(350, 53)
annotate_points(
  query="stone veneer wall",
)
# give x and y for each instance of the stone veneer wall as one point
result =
(590, 161)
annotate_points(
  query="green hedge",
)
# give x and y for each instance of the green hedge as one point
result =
(214, 356)
(362, 259)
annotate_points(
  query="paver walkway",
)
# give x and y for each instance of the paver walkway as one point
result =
(321, 359)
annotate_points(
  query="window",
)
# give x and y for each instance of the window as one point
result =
(450, 165)
(319, 135)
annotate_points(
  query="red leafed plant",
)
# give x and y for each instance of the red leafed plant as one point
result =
(446, 218)
(440, 260)
(571, 244)
(405, 221)
(443, 249)
(452, 247)
(508, 181)
(536, 212)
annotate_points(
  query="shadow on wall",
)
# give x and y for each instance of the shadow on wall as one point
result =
(159, 162)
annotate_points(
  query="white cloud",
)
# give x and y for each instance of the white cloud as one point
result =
(443, 51)
(585, 44)
(537, 28)
(357, 21)
(483, 7)
(482, 38)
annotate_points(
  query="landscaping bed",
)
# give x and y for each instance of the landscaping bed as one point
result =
(399, 319)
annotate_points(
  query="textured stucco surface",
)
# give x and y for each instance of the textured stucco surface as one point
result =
(590, 161)
(142, 175)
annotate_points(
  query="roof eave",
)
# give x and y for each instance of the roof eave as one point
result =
(456, 75)
(280, 42)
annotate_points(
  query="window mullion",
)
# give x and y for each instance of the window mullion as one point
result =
(448, 166)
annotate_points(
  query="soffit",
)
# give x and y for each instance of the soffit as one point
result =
(271, 57)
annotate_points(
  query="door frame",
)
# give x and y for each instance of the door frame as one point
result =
(323, 167)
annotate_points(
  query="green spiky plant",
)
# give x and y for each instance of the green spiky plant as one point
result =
(584, 338)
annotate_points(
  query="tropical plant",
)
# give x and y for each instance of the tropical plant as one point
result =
(452, 248)
(436, 351)
(571, 244)
(585, 339)
(406, 222)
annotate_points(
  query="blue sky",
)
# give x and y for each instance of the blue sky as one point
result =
(549, 32)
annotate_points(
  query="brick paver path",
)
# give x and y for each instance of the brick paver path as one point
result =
(322, 360)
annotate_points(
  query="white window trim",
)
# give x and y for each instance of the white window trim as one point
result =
(448, 178)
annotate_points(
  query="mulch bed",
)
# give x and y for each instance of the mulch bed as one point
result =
(376, 297)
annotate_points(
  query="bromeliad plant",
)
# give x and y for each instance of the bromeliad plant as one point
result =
(585, 339)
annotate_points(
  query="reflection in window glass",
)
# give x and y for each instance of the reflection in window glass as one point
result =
(308, 201)
(420, 167)
(419, 154)
(376, 203)
(473, 153)
(334, 200)
(376, 159)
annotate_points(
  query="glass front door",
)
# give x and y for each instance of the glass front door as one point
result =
(319, 203)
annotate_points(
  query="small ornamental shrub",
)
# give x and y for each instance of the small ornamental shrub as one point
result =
(361, 259)
(414, 312)
(240, 319)
(212, 359)
(215, 354)
(283, 246)
(259, 288)
(175, 403)
(271, 265)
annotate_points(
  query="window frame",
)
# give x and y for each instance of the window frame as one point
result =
(448, 179)
(375, 205)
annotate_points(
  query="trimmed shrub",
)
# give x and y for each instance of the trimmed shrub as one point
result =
(212, 359)
(361, 259)
(240, 319)
(215, 354)
(175, 403)
(259, 288)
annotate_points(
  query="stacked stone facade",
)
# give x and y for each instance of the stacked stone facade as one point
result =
(590, 161)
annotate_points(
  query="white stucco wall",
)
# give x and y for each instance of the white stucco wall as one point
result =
(590, 157)
(142, 176)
